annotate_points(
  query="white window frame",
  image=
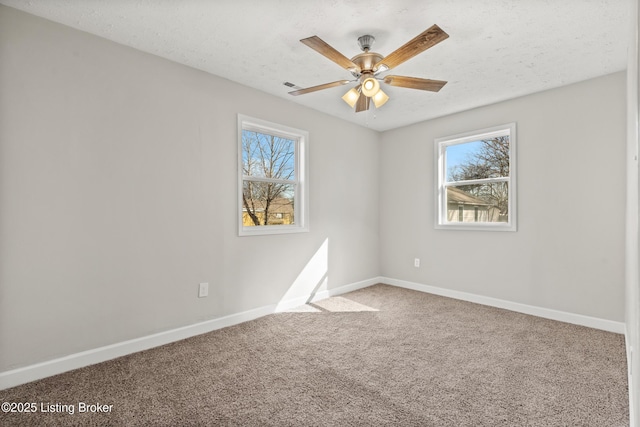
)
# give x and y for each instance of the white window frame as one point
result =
(440, 155)
(301, 181)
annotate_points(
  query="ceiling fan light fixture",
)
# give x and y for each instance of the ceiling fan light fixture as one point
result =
(366, 66)
(351, 97)
(380, 98)
(370, 86)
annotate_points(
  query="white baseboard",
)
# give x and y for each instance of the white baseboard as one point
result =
(78, 360)
(101, 354)
(547, 313)
(297, 302)
(49, 368)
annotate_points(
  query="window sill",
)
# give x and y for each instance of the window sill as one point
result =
(271, 230)
(477, 227)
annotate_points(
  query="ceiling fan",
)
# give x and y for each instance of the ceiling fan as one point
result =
(366, 67)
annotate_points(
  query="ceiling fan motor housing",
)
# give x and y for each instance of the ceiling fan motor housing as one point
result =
(366, 61)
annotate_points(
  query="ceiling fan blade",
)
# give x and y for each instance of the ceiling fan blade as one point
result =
(320, 46)
(420, 43)
(363, 103)
(319, 87)
(415, 83)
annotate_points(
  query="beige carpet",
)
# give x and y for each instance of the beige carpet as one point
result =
(378, 356)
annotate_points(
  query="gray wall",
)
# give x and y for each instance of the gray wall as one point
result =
(568, 252)
(118, 195)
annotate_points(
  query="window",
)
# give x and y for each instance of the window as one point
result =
(272, 184)
(476, 174)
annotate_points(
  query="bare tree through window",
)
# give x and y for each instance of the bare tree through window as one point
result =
(268, 193)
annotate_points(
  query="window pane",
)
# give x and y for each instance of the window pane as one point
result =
(481, 159)
(268, 156)
(478, 203)
(266, 203)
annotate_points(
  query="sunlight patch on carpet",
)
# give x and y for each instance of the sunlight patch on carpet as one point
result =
(343, 305)
(332, 305)
(303, 309)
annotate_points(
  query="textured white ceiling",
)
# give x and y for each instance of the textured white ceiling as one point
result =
(497, 49)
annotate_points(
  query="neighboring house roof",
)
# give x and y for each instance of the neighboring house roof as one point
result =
(455, 195)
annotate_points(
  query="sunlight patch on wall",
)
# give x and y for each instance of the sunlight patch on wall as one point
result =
(312, 279)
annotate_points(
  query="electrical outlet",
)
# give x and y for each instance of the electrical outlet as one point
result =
(416, 262)
(203, 290)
